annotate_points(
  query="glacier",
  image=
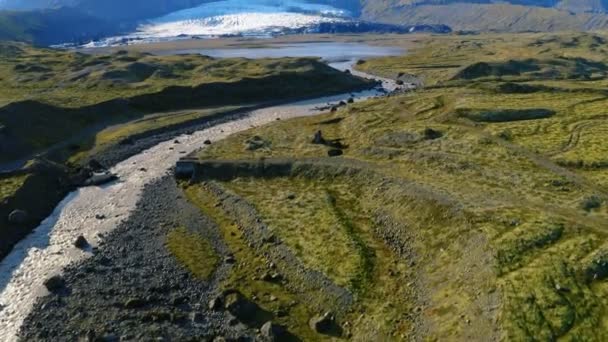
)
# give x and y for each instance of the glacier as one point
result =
(233, 17)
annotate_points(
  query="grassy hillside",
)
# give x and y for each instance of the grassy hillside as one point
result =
(47, 96)
(471, 209)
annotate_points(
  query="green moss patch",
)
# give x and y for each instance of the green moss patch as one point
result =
(193, 251)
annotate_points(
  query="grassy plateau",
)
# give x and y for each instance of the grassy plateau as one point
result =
(470, 209)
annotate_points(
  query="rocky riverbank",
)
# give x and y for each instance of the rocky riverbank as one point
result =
(132, 288)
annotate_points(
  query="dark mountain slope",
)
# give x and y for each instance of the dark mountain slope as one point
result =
(46, 27)
(476, 16)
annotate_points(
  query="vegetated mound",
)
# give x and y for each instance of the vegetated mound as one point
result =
(50, 96)
(571, 68)
(506, 115)
(520, 88)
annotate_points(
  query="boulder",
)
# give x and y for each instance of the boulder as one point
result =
(95, 165)
(334, 152)
(229, 259)
(400, 82)
(134, 303)
(54, 283)
(318, 138)
(207, 142)
(323, 324)
(215, 303)
(431, 134)
(81, 242)
(272, 332)
(239, 306)
(18, 216)
(350, 100)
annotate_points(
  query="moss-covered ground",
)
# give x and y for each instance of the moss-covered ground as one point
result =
(48, 97)
(10, 185)
(494, 172)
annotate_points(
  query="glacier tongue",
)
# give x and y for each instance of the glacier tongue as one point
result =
(232, 17)
(242, 23)
(228, 7)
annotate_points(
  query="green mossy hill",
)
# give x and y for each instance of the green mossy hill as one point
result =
(497, 185)
(48, 96)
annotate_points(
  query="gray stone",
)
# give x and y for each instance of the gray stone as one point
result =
(81, 242)
(334, 152)
(54, 284)
(271, 331)
(322, 324)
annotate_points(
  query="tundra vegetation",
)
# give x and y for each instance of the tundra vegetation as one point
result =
(73, 108)
(473, 208)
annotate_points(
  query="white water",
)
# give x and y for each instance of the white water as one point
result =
(49, 249)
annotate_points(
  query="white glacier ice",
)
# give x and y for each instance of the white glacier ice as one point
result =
(232, 17)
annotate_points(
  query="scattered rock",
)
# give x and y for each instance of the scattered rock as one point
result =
(399, 82)
(229, 259)
(176, 141)
(95, 165)
(323, 324)
(134, 303)
(318, 138)
(256, 143)
(87, 336)
(334, 152)
(215, 303)
(431, 134)
(239, 306)
(560, 288)
(55, 283)
(334, 109)
(197, 317)
(342, 103)
(100, 178)
(81, 242)
(291, 196)
(272, 332)
(100, 217)
(18, 216)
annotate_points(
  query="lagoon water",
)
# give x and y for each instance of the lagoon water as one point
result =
(328, 51)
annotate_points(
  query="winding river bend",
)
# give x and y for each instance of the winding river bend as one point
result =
(49, 248)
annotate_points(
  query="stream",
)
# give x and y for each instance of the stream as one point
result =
(49, 248)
